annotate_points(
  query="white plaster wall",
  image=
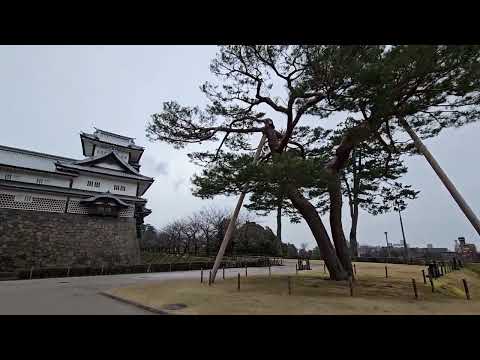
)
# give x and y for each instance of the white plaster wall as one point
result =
(109, 166)
(27, 177)
(105, 185)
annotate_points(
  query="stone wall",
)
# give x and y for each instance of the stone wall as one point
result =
(31, 238)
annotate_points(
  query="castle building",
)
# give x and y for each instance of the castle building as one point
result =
(57, 211)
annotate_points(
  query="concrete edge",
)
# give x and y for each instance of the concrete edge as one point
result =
(134, 303)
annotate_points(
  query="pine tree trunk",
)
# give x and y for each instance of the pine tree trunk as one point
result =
(353, 233)
(309, 213)
(279, 222)
(338, 236)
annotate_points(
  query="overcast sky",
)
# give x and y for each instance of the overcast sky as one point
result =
(48, 94)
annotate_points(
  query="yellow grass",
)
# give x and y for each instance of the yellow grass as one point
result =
(312, 293)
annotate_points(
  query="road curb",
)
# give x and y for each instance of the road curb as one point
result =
(134, 303)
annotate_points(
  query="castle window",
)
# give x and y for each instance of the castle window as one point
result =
(119, 187)
(97, 184)
(8, 176)
(28, 198)
(89, 183)
(122, 188)
(40, 181)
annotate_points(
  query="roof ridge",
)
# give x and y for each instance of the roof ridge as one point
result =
(34, 153)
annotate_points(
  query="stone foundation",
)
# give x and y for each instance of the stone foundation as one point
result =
(40, 239)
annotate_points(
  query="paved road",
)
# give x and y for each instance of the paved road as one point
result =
(81, 295)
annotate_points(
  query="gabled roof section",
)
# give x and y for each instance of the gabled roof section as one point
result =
(88, 165)
(110, 156)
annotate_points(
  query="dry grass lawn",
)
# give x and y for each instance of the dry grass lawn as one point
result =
(313, 293)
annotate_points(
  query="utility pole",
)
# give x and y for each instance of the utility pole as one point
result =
(442, 176)
(233, 219)
(386, 239)
(403, 234)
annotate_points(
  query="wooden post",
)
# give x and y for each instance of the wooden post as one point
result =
(289, 286)
(246, 271)
(170, 266)
(201, 275)
(238, 282)
(350, 284)
(354, 269)
(431, 283)
(223, 271)
(233, 218)
(415, 288)
(386, 272)
(210, 278)
(467, 211)
(296, 269)
(465, 286)
(324, 268)
(31, 272)
(424, 278)
(148, 269)
(269, 271)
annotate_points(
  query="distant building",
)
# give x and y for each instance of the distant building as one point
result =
(397, 251)
(58, 211)
(466, 251)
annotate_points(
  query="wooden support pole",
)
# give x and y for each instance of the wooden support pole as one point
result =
(170, 266)
(246, 271)
(289, 285)
(324, 268)
(233, 218)
(465, 286)
(431, 284)
(386, 272)
(223, 271)
(269, 271)
(350, 284)
(296, 269)
(354, 269)
(210, 278)
(467, 211)
(424, 278)
(238, 282)
(201, 275)
(415, 288)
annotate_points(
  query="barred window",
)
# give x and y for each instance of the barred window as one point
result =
(97, 184)
(89, 183)
(8, 176)
(40, 181)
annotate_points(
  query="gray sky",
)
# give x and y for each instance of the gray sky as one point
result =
(48, 94)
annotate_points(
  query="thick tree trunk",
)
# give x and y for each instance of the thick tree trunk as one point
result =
(338, 236)
(279, 222)
(309, 213)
